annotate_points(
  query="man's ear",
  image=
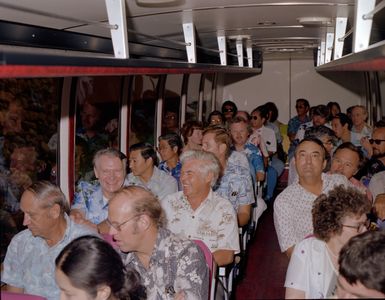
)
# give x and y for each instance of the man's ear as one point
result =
(144, 222)
(103, 292)
(324, 164)
(175, 149)
(54, 211)
(96, 173)
(222, 148)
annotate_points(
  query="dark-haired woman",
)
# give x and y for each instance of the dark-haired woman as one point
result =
(89, 268)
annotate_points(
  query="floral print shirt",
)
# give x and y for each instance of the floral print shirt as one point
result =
(175, 265)
(214, 222)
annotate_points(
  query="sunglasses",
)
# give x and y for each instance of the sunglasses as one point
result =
(372, 141)
(228, 110)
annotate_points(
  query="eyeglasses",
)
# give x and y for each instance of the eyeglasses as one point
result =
(118, 227)
(254, 117)
(360, 227)
(170, 117)
(372, 141)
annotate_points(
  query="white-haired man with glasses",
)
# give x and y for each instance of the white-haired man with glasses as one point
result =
(169, 266)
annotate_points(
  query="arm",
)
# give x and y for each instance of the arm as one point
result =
(260, 176)
(294, 294)
(223, 257)
(13, 289)
(289, 251)
(243, 215)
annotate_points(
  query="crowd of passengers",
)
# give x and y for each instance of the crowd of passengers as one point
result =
(138, 235)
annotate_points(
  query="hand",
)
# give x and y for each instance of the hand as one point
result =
(180, 295)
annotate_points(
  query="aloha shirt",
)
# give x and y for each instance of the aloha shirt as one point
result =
(175, 265)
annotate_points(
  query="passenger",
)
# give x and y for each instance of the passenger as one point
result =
(170, 147)
(313, 268)
(342, 125)
(29, 265)
(302, 106)
(89, 268)
(199, 213)
(360, 129)
(229, 110)
(240, 131)
(235, 184)
(171, 122)
(379, 211)
(243, 114)
(376, 184)
(144, 172)
(347, 160)
(90, 205)
(215, 118)
(259, 117)
(292, 207)
(170, 267)
(192, 135)
(334, 109)
(361, 267)
(376, 162)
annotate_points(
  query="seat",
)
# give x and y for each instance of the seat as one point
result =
(18, 296)
(212, 267)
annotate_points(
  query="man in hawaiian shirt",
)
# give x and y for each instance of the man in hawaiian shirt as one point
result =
(198, 213)
(169, 266)
(90, 206)
(29, 265)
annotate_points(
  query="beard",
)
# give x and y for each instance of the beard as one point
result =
(378, 155)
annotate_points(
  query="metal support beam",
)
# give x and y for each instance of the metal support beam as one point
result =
(323, 50)
(329, 44)
(319, 56)
(362, 27)
(116, 10)
(239, 44)
(339, 32)
(222, 49)
(189, 37)
(249, 51)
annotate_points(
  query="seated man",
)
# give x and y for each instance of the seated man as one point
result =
(144, 172)
(361, 267)
(292, 207)
(199, 213)
(169, 266)
(29, 265)
(90, 206)
(235, 183)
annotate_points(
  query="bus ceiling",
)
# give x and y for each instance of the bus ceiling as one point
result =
(185, 36)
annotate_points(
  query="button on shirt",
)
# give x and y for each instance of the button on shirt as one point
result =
(214, 222)
(30, 263)
(160, 184)
(175, 265)
(292, 210)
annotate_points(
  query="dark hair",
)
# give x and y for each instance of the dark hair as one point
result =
(313, 140)
(230, 103)
(90, 262)
(188, 129)
(351, 147)
(146, 150)
(319, 132)
(344, 119)
(362, 260)
(330, 106)
(173, 140)
(329, 210)
(304, 101)
(263, 111)
(215, 113)
(271, 107)
(379, 124)
(321, 110)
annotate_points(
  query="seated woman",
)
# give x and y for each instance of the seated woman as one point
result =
(192, 135)
(215, 118)
(89, 268)
(337, 217)
(170, 147)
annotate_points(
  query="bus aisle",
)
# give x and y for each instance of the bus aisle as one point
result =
(266, 265)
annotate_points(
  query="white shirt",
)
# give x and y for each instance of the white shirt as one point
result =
(311, 270)
(214, 222)
(292, 210)
(268, 137)
(377, 184)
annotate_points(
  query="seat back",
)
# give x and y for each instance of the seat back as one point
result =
(18, 296)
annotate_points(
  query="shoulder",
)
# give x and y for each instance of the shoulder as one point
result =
(86, 186)
(22, 238)
(162, 175)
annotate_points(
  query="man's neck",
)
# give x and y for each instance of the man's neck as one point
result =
(358, 128)
(57, 232)
(145, 250)
(239, 147)
(172, 162)
(312, 185)
(302, 117)
(345, 137)
(146, 176)
(196, 201)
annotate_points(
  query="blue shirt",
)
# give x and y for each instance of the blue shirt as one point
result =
(254, 156)
(236, 186)
(175, 172)
(294, 124)
(89, 200)
(30, 263)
